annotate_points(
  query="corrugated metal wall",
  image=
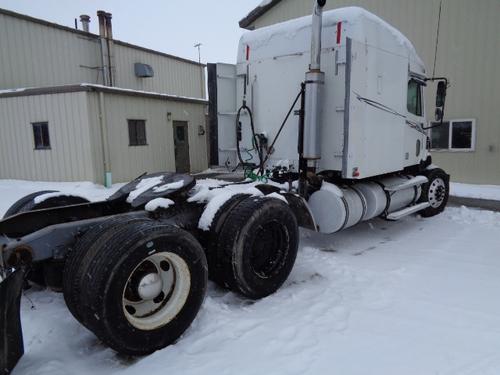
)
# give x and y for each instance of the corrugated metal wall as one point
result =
(35, 55)
(469, 54)
(69, 158)
(38, 55)
(170, 76)
(128, 162)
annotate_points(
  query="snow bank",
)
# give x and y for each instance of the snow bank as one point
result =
(491, 192)
(154, 204)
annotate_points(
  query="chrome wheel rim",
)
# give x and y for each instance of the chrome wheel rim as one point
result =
(156, 291)
(437, 192)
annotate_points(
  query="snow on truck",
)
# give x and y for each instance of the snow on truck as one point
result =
(133, 268)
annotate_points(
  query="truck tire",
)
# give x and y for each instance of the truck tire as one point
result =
(258, 243)
(144, 287)
(211, 239)
(436, 192)
(82, 253)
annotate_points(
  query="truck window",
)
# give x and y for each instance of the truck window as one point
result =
(414, 102)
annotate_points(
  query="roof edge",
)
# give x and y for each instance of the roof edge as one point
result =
(92, 35)
(255, 14)
(89, 87)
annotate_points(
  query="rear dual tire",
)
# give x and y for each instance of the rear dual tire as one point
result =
(256, 248)
(139, 286)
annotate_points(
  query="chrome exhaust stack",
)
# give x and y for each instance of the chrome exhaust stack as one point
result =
(315, 81)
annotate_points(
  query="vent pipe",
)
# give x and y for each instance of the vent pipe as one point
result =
(102, 23)
(109, 27)
(315, 80)
(85, 20)
(106, 35)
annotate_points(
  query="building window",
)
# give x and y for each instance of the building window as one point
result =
(137, 132)
(41, 135)
(414, 99)
(454, 135)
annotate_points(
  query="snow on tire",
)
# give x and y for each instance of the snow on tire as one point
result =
(258, 243)
(144, 287)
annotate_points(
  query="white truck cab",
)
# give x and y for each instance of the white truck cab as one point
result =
(362, 117)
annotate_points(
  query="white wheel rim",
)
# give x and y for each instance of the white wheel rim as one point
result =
(437, 192)
(156, 291)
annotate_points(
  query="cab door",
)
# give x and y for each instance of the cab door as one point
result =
(415, 135)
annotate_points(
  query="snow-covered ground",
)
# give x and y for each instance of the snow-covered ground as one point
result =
(417, 296)
(491, 192)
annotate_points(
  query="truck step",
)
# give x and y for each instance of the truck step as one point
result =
(407, 211)
(415, 181)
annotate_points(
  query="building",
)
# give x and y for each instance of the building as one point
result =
(76, 106)
(458, 39)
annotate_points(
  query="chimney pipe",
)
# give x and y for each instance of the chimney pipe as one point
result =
(315, 80)
(102, 23)
(85, 20)
(109, 27)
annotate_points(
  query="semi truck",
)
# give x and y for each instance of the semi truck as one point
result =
(326, 116)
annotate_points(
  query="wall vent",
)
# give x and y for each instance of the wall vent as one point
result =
(143, 70)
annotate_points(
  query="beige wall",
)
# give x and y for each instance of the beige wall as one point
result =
(468, 54)
(170, 76)
(34, 55)
(76, 152)
(69, 158)
(128, 162)
(38, 55)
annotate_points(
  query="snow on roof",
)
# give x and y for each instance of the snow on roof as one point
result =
(27, 91)
(258, 11)
(141, 92)
(352, 15)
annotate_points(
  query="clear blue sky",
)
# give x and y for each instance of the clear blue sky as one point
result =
(171, 26)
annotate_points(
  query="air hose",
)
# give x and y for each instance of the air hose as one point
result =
(255, 140)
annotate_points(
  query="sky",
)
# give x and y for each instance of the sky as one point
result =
(170, 26)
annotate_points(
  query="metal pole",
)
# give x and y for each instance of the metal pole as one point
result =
(198, 45)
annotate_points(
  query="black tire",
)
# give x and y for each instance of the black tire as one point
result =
(211, 241)
(19, 205)
(79, 257)
(259, 242)
(113, 268)
(436, 192)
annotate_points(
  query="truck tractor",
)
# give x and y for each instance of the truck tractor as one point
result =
(133, 268)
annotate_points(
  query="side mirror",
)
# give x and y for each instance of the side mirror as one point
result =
(441, 94)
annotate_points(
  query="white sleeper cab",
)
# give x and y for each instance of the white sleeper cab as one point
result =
(359, 147)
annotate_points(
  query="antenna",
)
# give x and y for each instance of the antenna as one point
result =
(198, 45)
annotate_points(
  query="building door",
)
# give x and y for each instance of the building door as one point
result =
(181, 147)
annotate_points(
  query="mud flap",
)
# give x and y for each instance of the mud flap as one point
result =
(11, 334)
